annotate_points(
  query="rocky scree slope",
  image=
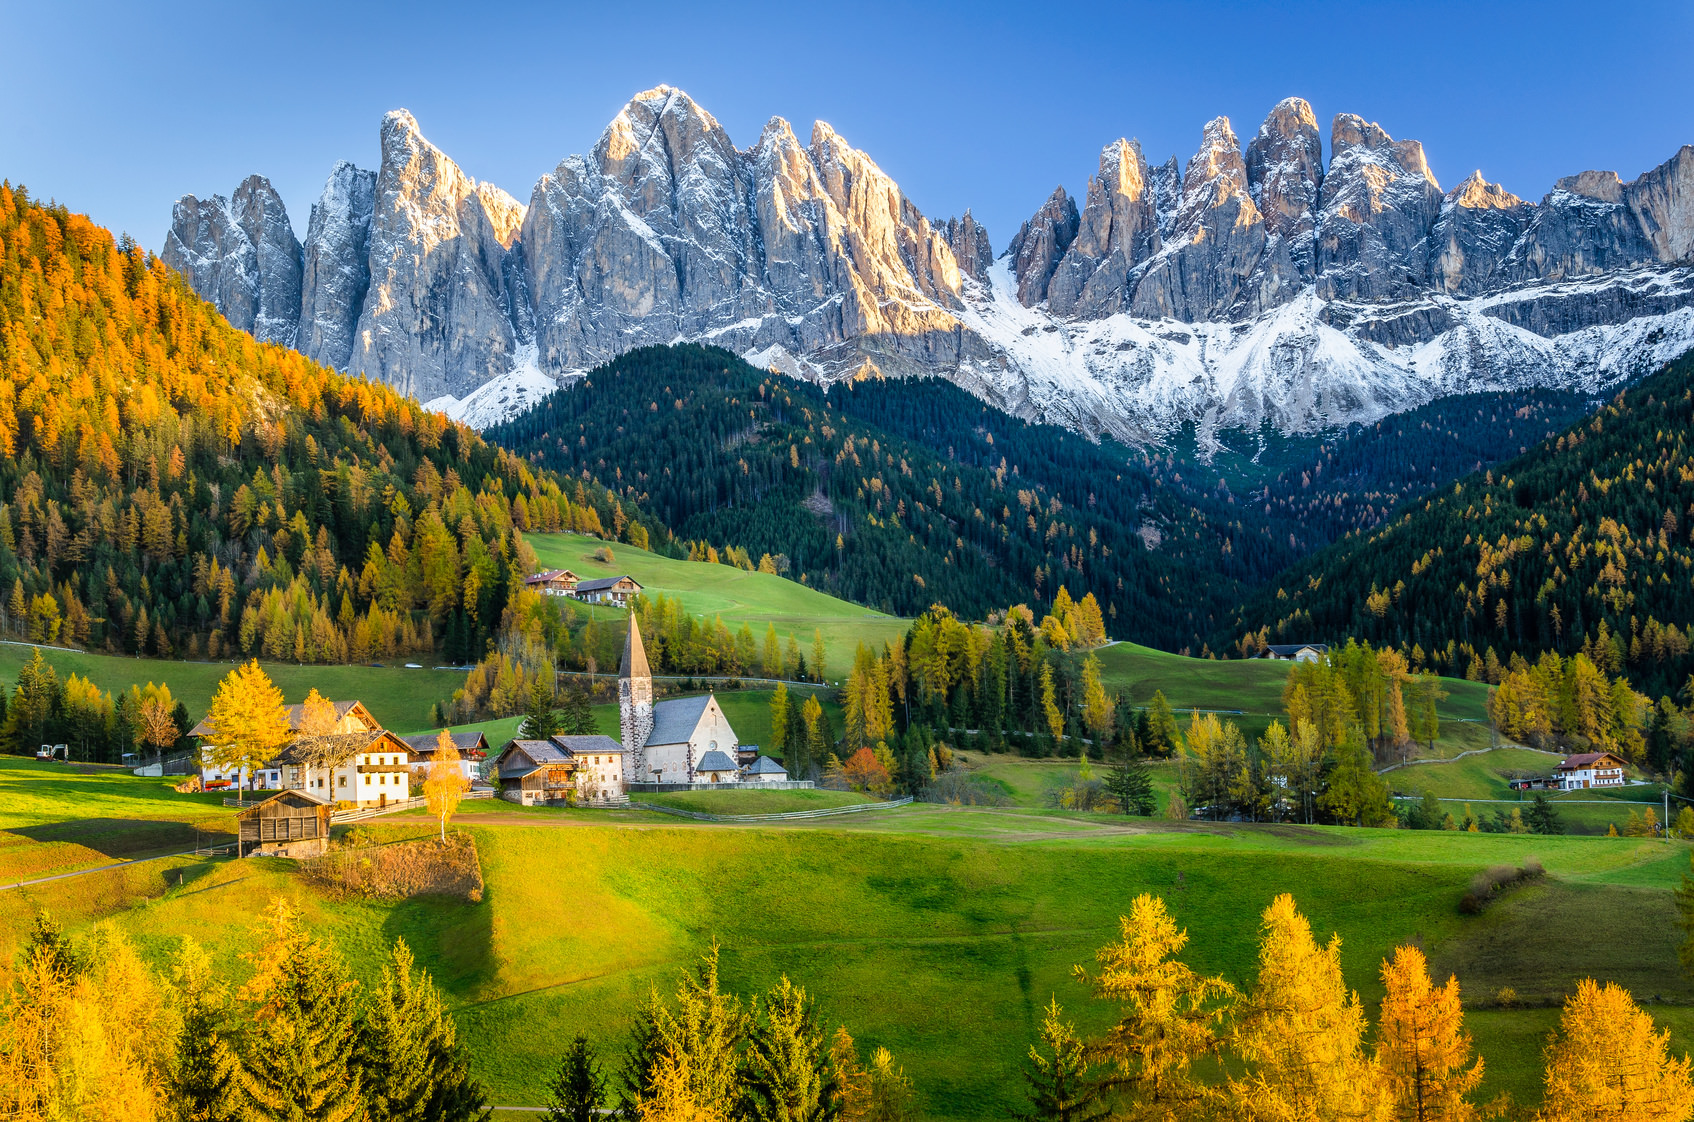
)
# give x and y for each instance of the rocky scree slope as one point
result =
(1252, 284)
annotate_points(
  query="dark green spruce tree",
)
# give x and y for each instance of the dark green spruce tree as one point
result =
(1129, 781)
(1060, 1087)
(787, 1075)
(202, 1088)
(578, 1088)
(540, 719)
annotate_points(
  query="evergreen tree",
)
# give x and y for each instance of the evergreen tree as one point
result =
(301, 1038)
(202, 1085)
(1608, 1060)
(778, 747)
(1130, 782)
(1162, 734)
(540, 720)
(787, 1075)
(1543, 819)
(578, 1088)
(577, 719)
(1060, 1088)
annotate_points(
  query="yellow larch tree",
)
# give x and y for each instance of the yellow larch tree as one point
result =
(1608, 1060)
(445, 784)
(1169, 1016)
(1302, 1032)
(317, 715)
(248, 720)
(1422, 1046)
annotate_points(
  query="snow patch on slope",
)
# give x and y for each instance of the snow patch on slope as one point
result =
(502, 398)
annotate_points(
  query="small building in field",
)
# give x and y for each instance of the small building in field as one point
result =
(472, 747)
(1296, 652)
(289, 824)
(561, 770)
(553, 582)
(1589, 769)
(717, 767)
(765, 770)
(618, 591)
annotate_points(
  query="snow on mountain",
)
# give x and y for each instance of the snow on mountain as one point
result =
(1251, 284)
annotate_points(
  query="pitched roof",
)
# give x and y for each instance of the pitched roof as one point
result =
(715, 761)
(764, 765)
(424, 742)
(538, 753)
(293, 794)
(588, 745)
(331, 750)
(634, 664)
(674, 721)
(296, 713)
(1586, 760)
(599, 583)
(550, 574)
(1295, 648)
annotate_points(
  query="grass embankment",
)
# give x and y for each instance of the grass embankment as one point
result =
(757, 599)
(754, 801)
(938, 932)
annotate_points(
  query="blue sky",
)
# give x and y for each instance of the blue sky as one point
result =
(118, 108)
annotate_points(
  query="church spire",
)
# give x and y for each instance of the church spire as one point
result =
(634, 664)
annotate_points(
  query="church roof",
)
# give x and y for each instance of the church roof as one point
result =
(715, 761)
(634, 664)
(764, 765)
(674, 721)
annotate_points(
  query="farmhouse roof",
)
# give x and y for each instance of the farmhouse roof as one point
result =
(588, 745)
(634, 664)
(333, 749)
(764, 765)
(296, 713)
(293, 795)
(1586, 760)
(715, 761)
(674, 721)
(1290, 649)
(468, 743)
(550, 575)
(525, 757)
(599, 583)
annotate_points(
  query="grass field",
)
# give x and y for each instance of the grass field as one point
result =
(755, 802)
(398, 697)
(738, 596)
(936, 931)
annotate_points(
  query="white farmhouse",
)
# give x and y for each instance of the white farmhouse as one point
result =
(1589, 769)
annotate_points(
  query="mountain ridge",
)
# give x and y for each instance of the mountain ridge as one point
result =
(1252, 284)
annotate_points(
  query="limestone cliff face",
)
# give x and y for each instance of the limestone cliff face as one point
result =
(1254, 283)
(338, 268)
(438, 317)
(241, 254)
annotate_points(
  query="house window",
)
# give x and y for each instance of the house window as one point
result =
(343, 781)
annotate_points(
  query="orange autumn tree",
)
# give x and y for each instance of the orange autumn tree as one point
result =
(867, 773)
(1609, 1061)
(1422, 1046)
(1169, 1016)
(1302, 1032)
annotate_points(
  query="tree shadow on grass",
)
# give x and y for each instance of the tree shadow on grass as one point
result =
(121, 838)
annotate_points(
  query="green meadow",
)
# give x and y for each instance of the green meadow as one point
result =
(936, 931)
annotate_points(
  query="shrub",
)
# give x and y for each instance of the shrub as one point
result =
(603, 555)
(1490, 883)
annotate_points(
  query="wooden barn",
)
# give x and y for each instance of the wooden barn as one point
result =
(288, 824)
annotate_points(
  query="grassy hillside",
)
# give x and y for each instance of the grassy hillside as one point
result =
(938, 932)
(708, 590)
(1585, 540)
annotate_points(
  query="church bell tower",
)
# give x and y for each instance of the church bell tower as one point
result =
(635, 704)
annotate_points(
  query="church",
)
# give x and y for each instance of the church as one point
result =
(684, 740)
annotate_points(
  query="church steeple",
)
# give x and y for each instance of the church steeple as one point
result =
(634, 664)
(635, 703)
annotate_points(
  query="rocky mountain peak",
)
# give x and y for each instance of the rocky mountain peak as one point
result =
(1602, 185)
(337, 264)
(1284, 169)
(1378, 205)
(1117, 230)
(242, 254)
(1477, 193)
(1040, 244)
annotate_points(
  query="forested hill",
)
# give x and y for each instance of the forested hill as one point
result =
(1002, 512)
(168, 486)
(1582, 543)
